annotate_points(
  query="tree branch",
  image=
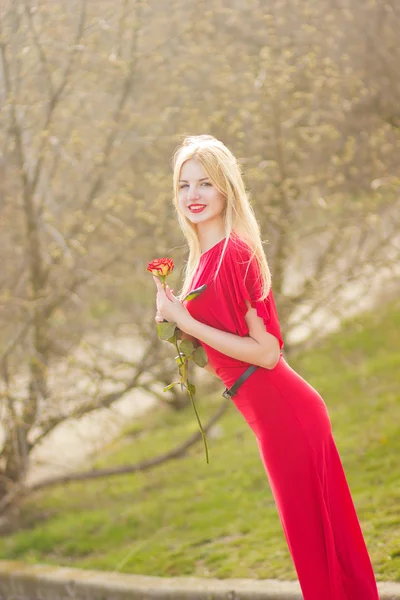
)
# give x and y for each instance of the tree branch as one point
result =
(56, 97)
(104, 402)
(102, 168)
(173, 454)
(39, 48)
(19, 489)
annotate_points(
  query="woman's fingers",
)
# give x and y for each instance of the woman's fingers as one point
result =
(168, 293)
(158, 318)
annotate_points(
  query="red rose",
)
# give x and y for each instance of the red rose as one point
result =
(161, 267)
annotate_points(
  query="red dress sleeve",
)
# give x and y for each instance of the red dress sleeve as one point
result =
(242, 281)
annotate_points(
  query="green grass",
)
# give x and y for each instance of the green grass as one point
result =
(219, 520)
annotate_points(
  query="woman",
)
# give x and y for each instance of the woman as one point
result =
(236, 322)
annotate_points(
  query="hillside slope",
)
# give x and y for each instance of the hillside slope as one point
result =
(220, 520)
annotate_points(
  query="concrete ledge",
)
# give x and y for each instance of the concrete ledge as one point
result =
(19, 581)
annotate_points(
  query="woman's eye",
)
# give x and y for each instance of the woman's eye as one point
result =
(183, 185)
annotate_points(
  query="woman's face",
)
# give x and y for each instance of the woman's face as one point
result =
(196, 188)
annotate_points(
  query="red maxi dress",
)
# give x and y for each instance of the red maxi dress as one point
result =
(294, 436)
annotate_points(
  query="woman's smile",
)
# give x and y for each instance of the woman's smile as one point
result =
(195, 208)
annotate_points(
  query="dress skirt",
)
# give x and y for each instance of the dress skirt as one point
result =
(306, 476)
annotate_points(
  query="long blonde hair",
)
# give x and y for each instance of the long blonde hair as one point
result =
(224, 171)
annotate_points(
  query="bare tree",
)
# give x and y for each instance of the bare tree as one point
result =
(52, 269)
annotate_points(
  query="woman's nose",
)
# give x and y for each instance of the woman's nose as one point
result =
(192, 193)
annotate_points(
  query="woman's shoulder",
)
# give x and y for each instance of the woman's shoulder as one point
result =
(238, 250)
(238, 245)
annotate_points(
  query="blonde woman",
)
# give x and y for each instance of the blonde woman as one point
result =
(236, 321)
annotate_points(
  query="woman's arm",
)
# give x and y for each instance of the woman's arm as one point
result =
(259, 348)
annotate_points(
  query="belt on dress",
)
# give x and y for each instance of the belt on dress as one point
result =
(228, 393)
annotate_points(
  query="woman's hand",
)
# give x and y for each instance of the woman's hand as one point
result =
(169, 307)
